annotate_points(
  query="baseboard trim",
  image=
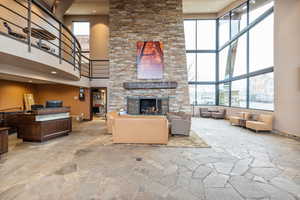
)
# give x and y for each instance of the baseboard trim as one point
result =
(288, 135)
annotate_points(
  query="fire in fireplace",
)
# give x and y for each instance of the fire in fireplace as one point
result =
(147, 105)
(150, 106)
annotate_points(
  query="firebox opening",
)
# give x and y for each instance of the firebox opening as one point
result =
(150, 106)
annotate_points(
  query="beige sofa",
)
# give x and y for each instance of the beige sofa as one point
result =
(109, 119)
(140, 129)
(264, 123)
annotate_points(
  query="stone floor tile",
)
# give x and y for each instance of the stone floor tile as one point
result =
(215, 180)
(261, 162)
(247, 188)
(286, 185)
(227, 193)
(85, 165)
(275, 193)
(201, 172)
(266, 173)
(224, 167)
(241, 166)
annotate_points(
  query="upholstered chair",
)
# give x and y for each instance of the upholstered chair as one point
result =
(219, 114)
(236, 120)
(264, 123)
(205, 113)
(180, 123)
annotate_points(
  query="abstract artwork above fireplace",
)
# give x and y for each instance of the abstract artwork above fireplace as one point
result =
(150, 60)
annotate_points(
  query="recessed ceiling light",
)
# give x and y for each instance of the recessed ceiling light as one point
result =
(30, 81)
(94, 11)
(53, 72)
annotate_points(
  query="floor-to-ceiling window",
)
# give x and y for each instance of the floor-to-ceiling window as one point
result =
(82, 32)
(236, 67)
(201, 60)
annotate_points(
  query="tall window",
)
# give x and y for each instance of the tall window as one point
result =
(246, 62)
(200, 36)
(262, 45)
(224, 29)
(82, 32)
(244, 53)
(262, 92)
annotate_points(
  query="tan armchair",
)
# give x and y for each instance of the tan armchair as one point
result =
(109, 120)
(180, 123)
(236, 120)
(264, 123)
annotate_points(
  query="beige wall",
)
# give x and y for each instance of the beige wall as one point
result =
(287, 66)
(99, 33)
(11, 95)
(68, 94)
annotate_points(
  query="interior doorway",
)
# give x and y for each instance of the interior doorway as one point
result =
(98, 103)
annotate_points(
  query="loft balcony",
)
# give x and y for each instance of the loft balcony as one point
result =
(34, 43)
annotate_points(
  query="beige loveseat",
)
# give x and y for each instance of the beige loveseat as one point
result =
(109, 119)
(264, 123)
(140, 129)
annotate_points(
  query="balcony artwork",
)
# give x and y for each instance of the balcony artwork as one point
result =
(150, 60)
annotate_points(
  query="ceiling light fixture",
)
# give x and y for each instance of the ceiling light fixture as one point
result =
(30, 81)
(53, 72)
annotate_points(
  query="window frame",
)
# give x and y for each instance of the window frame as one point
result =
(83, 21)
(203, 51)
(248, 75)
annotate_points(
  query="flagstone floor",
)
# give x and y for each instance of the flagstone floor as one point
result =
(240, 165)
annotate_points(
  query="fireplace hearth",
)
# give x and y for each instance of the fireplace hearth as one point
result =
(147, 105)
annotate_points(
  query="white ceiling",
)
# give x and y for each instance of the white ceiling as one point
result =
(89, 7)
(101, 7)
(205, 6)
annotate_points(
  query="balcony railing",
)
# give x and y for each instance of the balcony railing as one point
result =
(94, 69)
(29, 22)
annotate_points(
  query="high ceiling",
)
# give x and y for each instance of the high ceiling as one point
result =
(100, 7)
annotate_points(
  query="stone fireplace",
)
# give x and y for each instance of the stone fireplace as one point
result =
(138, 20)
(147, 105)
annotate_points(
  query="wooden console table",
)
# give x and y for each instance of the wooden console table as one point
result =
(3, 140)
